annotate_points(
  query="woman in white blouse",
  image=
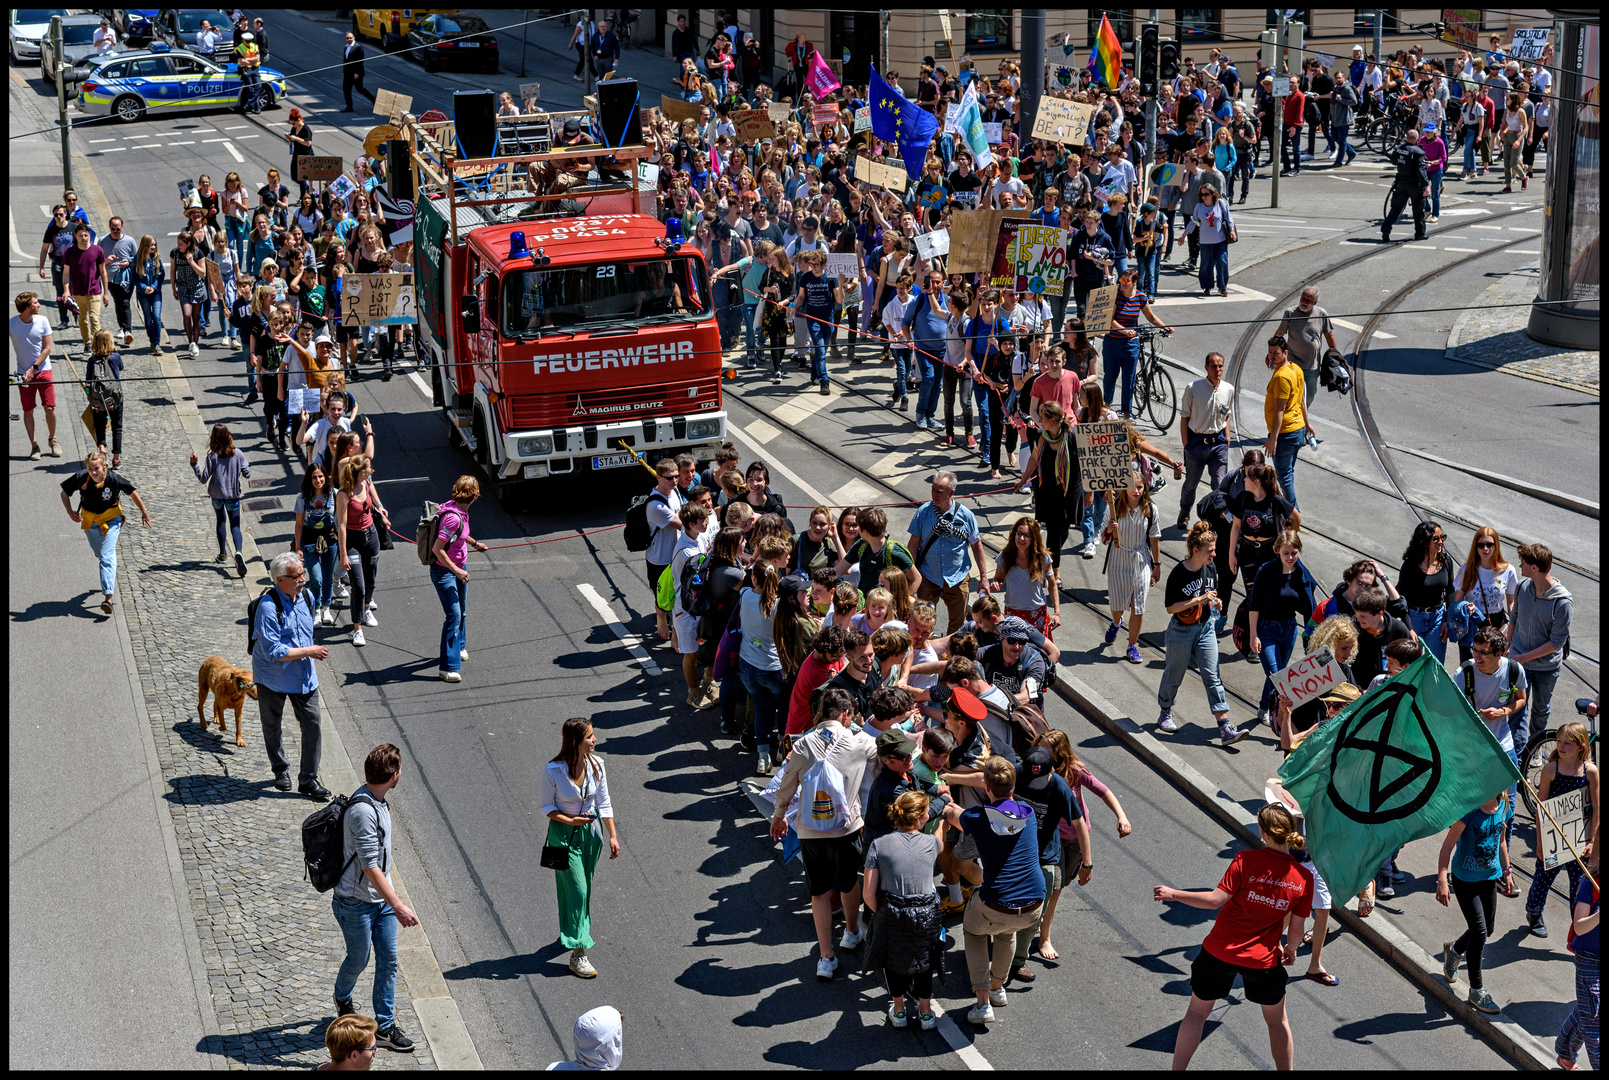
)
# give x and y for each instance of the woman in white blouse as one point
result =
(575, 797)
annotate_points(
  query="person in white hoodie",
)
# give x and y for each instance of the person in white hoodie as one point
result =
(598, 1035)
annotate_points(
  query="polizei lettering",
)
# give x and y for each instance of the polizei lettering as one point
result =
(603, 359)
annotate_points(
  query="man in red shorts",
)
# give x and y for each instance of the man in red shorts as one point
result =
(31, 341)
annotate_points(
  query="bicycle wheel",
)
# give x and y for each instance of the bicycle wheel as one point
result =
(1160, 399)
(1535, 756)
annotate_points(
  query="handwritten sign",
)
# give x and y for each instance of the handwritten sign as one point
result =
(944, 24)
(305, 400)
(647, 176)
(391, 105)
(215, 279)
(952, 118)
(932, 244)
(377, 300)
(1528, 43)
(1062, 121)
(1102, 304)
(778, 111)
(186, 186)
(752, 125)
(1325, 60)
(824, 115)
(1462, 26)
(678, 110)
(1103, 455)
(314, 167)
(845, 266)
(342, 187)
(883, 176)
(530, 91)
(1003, 268)
(1312, 676)
(863, 119)
(377, 137)
(994, 133)
(1169, 174)
(973, 238)
(1041, 260)
(1570, 811)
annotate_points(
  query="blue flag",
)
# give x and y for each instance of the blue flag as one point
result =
(904, 123)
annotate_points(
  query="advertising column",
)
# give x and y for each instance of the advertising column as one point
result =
(1566, 311)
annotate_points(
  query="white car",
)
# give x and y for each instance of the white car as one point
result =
(28, 27)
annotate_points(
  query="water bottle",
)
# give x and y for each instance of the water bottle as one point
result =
(1312, 441)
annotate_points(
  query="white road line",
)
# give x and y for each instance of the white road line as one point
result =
(1277, 225)
(114, 138)
(804, 489)
(628, 639)
(1355, 326)
(1497, 228)
(1459, 249)
(189, 142)
(1420, 247)
(764, 432)
(114, 149)
(229, 146)
(1527, 251)
(247, 137)
(16, 245)
(224, 139)
(236, 127)
(1521, 228)
(964, 1050)
(1236, 293)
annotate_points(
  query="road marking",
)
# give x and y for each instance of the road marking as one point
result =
(113, 149)
(804, 489)
(894, 465)
(16, 245)
(1522, 228)
(420, 383)
(236, 127)
(229, 146)
(606, 613)
(963, 1049)
(1293, 221)
(1274, 225)
(763, 432)
(1420, 247)
(1355, 326)
(1527, 251)
(1463, 211)
(224, 139)
(1460, 249)
(855, 493)
(793, 412)
(246, 136)
(190, 142)
(114, 138)
(1236, 293)
(1496, 228)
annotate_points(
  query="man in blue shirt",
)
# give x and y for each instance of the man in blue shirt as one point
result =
(942, 532)
(1013, 889)
(925, 317)
(282, 667)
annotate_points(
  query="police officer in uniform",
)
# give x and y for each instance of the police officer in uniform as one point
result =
(1412, 185)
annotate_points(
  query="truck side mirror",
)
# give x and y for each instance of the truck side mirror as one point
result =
(470, 310)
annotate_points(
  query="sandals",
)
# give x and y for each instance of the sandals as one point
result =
(1323, 978)
(1307, 938)
(1366, 901)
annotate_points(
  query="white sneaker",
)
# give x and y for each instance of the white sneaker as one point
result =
(763, 765)
(930, 1021)
(195, 350)
(342, 591)
(980, 1015)
(357, 636)
(463, 654)
(997, 997)
(896, 1015)
(826, 969)
(321, 617)
(369, 619)
(373, 606)
(852, 939)
(451, 676)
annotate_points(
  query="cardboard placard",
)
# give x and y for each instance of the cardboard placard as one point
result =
(318, 168)
(391, 105)
(889, 177)
(1569, 811)
(932, 244)
(678, 110)
(973, 238)
(377, 300)
(1102, 304)
(778, 111)
(1062, 121)
(1305, 679)
(824, 115)
(863, 119)
(753, 125)
(377, 136)
(530, 91)
(843, 265)
(342, 187)
(952, 118)
(1003, 267)
(1041, 260)
(215, 279)
(1325, 60)
(1169, 174)
(1104, 459)
(1528, 45)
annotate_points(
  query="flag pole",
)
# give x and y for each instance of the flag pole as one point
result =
(640, 459)
(1562, 834)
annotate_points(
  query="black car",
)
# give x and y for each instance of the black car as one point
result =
(462, 41)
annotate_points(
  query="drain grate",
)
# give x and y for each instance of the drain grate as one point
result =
(261, 506)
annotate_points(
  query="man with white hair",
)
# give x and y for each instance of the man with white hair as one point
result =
(1303, 326)
(282, 666)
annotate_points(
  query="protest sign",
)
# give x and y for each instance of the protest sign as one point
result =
(1104, 460)
(398, 223)
(753, 125)
(778, 111)
(378, 135)
(315, 167)
(994, 133)
(530, 91)
(377, 300)
(1528, 43)
(944, 24)
(952, 118)
(391, 105)
(1462, 26)
(1168, 174)
(304, 400)
(186, 186)
(647, 176)
(678, 110)
(342, 187)
(844, 266)
(891, 177)
(215, 279)
(1326, 61)
(1570, 816)
(1003, 269)
(942, 51)
(1062, 121)
(1309, 677)
(824, 115)
(1102, 303)
(973, 236)
(1041, 260)
(863, 119)
(932, 244)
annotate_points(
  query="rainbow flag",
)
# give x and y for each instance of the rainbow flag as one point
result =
(1106, 59)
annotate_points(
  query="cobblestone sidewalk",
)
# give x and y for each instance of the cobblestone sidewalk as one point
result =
(269, 941)
(1491, 336)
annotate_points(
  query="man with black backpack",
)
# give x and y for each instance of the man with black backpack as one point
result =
(367, 908)
(664, 527)
(282, 655)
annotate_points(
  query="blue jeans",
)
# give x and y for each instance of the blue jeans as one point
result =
(453, 594)
(1285, 462)
(238, 231)
(1428, 625)
(1538, 712)
(1343, 149)
(1120, 264)
(320, 572)
(1290, 151)
(818, 349)
(1197, 642)
(365, 925)
(1278, 638)
(151, 312)
(1150, 267)
(768, 690)
(1469, 150)
(980, 394)
(104, 545)
(1435, 191)
(753, 350)
(902, 369)
(1094, 517)
(1119, 354)
(1215, 265)
(927, 398)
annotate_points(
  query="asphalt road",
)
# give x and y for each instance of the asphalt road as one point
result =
(703, 939)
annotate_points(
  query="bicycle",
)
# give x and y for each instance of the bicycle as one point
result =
(1153, 386)
(1387, 130)
(1540, 747)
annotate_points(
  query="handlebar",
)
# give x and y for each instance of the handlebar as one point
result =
(1145, 333)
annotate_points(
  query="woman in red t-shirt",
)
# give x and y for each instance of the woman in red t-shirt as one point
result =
(1261, 892)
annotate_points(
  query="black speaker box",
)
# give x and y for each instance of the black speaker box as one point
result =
(398, 171)
(617, 113)
(475, 121)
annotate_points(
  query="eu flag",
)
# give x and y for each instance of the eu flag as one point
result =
(904, 123)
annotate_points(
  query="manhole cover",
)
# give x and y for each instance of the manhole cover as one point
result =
(261, 506)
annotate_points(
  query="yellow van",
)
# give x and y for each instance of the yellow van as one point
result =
(390, 26)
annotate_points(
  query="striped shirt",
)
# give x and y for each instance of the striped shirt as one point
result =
(1127, 312)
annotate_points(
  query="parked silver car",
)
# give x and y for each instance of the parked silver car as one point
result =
(77, 46)
(27, 27)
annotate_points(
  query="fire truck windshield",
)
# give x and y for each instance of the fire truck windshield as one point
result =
(578, 297)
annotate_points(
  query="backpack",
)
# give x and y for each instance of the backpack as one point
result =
(1241, 631)
(251, 613)
(665, 590)
(639, 534)
(695, 586)
(324, 842)
(1467, 669)
(823, 802)
(424, 534)
(1026, 723)
(104, 394)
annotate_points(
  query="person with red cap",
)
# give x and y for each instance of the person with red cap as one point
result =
(963, 712)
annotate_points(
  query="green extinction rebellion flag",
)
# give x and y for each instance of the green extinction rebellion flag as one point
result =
(1402, 762)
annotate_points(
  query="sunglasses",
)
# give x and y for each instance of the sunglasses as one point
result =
(1485, 544)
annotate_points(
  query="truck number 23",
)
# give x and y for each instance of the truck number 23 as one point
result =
(606, 271)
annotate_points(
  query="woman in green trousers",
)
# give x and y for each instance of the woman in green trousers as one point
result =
(575, 797)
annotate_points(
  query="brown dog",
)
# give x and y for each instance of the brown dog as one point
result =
(230, 687)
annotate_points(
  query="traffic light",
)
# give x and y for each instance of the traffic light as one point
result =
(1295, 41)
(1149, 40)
(1169, 63)
(1270, 39)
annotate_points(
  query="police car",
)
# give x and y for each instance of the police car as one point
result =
(166, 80)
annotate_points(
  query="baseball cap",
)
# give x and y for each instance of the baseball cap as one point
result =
(894, 742)
(1037, 768)
(323, 338)
(1011, 628)
(967, 703)
(793, 582)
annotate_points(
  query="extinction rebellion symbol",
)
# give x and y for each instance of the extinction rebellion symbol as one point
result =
(1371, 740)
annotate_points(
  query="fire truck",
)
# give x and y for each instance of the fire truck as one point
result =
(561, 330)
